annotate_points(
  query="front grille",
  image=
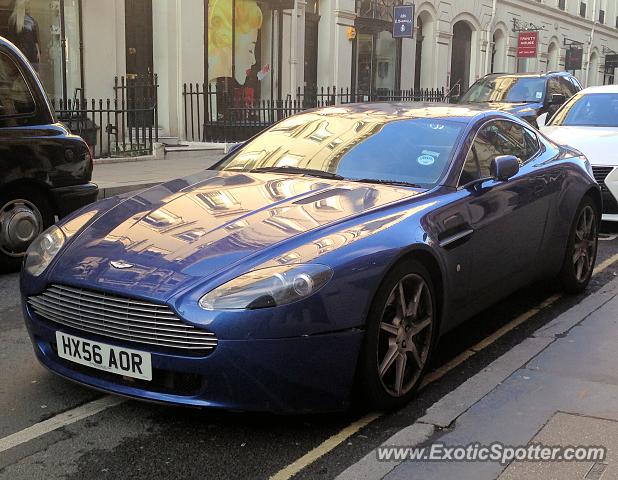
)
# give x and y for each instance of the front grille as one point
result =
(121, 318)
(600, 174)
(610, 205)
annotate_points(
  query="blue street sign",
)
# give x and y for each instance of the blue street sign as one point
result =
(403, 21)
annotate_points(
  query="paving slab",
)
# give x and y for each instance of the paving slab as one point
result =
(588, 352)
(567, 430)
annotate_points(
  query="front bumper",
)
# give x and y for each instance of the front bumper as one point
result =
(290, 375)
(69, 199)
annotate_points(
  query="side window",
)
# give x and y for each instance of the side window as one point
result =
(532, 145)
(497, 138)
(16, 101)
(567, 88)
(553, 87)
(483, 151)
(576, 85)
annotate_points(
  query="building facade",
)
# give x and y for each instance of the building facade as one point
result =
(261, 50)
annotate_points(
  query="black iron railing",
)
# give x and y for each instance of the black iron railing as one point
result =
(215, 116)
(123, 126)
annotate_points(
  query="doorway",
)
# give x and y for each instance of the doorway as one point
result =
(312, 22)
(461, 56)
(419, 53)
(139, 91)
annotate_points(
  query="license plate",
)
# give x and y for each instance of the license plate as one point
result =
(123, 361)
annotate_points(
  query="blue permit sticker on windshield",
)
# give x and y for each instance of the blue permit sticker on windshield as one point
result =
(426, 160)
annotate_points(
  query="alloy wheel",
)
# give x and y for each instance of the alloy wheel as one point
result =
(585, 244)
(406, 329)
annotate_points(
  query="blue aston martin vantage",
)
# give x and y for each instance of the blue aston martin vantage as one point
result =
(323, 257)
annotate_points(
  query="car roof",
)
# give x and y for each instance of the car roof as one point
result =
(530, 74)
(395, 110)
(600, 89)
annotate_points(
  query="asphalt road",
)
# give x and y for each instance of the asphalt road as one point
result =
(138, 440)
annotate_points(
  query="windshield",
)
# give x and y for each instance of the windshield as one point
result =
(506, 89)
(592, 110)
(363, 147)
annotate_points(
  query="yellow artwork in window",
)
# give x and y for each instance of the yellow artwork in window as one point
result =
(221, 30)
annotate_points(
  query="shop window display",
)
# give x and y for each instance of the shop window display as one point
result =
(233, 49)
(38, 29)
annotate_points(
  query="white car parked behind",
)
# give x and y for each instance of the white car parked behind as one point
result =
(589, 123)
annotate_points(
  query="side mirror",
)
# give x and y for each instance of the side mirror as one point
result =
(504, 167)
(557, 99)
(541, 121)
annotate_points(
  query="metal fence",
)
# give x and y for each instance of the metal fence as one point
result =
(215, 116)
(123, 126)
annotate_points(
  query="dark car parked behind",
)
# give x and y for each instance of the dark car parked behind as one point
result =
(527, 95)
(46, 171)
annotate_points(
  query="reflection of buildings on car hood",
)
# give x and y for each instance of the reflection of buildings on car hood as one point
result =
(221, 219)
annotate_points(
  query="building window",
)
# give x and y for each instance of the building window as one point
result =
(582, 9)
(377, 55)
(602, 16)
(562, 4)
(233, 44)
(48, 33)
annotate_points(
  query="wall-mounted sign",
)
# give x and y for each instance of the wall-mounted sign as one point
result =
(403, 21)
(351, 32)
(574, 58)
(527, 44)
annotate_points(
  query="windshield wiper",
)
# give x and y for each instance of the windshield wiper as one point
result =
(300, 171)
(400, 183)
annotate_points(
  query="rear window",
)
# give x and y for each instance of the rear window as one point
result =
(506, 89)
(15, 97)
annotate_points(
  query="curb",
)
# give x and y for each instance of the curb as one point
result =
(108, 161)
(113, 191)
(445, 411)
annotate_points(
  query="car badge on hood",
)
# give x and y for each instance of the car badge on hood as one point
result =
(121, 265)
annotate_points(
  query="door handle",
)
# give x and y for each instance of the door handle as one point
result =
(460, 235)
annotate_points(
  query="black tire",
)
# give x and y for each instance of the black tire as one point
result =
(375, 389)
(576, 274)
(39, 205)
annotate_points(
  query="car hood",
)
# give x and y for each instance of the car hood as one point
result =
(598, 144)
(169, 237)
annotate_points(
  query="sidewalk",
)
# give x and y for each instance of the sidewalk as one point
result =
(557, 388)
(116, 178)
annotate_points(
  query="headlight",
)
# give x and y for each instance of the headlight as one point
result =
(43, 250)
(268, 287)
